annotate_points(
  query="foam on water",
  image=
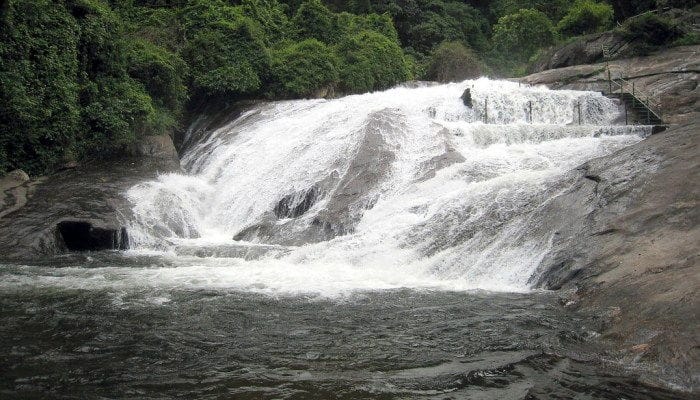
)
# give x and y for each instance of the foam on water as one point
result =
(459, 225)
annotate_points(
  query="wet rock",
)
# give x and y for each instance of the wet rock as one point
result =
(428, 169)
(296, 204)
(467, 98)
(85, 204)
(15, 186)
(627, 226)
(158, 146)
(343, 197)
(14, 178)
(326, 92)
(85, 236)
(669, 78)
(628, 241)
(587, 50)
(245, 251)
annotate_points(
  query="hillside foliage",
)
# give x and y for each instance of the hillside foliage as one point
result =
(81, 79)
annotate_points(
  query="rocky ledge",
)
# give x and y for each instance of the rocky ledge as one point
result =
(670, 77)
(81, 208)
(627, 229)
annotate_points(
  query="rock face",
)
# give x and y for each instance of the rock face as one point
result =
(587, 50)
(157, 146)
(73, 210)
(670, 77)
(339, 199)
(626, 239)
(626, 231)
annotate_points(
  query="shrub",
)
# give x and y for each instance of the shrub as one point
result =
(521, 34)
(160, 26)
(350, 24)
(227, 58)
(199, 14)
(302, 68)
(452, 62)
(650, 31)
(554, 9)
(39, 113)
(313, 20)
(271, 17)
(116, 111)
(689, 39)
(371, 61)
(161, 72)
(627, 8)
(586, 16)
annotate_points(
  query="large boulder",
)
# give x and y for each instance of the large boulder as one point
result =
(670, 78)
(586, 50)
(625, 232)
(156, 146)
(625, 243)
(342, 198)
(78, 209)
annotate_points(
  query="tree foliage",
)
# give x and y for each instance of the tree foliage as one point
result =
(84, 78)
(39, 112)
(454, 62)
(313, 20)
(649, 31)
(302, 68)
(586, 16)
(370, 60)
(522, 33)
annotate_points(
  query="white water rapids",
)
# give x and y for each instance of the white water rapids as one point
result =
(402, 188)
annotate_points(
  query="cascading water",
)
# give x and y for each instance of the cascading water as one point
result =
(320, 206)
(402, 188)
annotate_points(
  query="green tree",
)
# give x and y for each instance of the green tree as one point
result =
(227, 59)
(302, 68)
(371, 61)
(39, 113)
(162, 73)
(586, 16)
(523, 33)
(271, 17)
(554, 9)
(350, 24)
(454, 62)
(314, 20)
(115, 107)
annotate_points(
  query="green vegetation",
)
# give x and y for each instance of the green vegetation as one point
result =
(454, 62)
(303, 68)
(586, 16)
(650, 31)
(521, 34)
(81, 79)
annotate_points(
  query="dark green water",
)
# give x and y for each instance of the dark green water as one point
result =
(65, 334)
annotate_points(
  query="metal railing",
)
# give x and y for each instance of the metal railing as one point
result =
(622, 86)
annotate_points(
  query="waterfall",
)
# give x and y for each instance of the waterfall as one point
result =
(402, 188)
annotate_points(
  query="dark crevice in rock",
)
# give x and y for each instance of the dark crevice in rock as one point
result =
(594, 178)
(296, 204)
(605, 232)
(83, 236)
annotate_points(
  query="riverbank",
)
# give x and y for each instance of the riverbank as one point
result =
(625, 244)
(628, 243)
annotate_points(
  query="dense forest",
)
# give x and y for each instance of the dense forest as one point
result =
(85, 78)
